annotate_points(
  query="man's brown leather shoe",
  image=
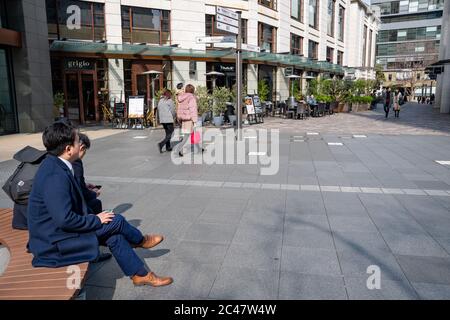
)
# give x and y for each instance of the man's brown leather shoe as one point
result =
(150, 240)
(152, 280)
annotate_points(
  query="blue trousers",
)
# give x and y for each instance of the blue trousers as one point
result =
(118, 235)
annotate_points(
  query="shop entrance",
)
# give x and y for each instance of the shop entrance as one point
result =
(267, 74)
(146, 84)
(81, 97)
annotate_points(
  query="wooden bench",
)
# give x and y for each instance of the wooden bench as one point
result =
(21, 281)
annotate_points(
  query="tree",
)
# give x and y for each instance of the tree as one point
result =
(379, 75)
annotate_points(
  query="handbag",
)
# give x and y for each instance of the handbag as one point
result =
(186, 127)
(195, 137)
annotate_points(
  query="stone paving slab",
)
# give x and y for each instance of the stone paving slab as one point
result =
(308, 232)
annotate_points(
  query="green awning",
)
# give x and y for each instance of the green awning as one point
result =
(172, 53)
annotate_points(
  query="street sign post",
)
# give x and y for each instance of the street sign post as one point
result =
(227, 27)
(230, 21)
(250, 47)
(219, 39)
(228, 13)
(225, 19)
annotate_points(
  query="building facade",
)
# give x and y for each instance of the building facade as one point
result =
(99, 50)
(408, 41)
(361, 32)
(25, 79)
(443, 78)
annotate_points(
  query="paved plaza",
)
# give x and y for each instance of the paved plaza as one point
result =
(375, 197)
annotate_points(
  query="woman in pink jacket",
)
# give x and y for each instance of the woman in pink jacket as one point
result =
(187, 114)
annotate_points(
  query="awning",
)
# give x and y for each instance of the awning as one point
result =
(440, 63)
(138, 51)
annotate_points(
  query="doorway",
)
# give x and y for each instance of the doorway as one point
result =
(146, 84)
(81, 97)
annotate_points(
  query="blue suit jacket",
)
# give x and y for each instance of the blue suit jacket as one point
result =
(61, 230)
(79, 176)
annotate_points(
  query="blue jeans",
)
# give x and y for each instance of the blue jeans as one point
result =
(118, 235)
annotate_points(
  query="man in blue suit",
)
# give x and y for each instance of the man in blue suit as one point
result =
(63, 231)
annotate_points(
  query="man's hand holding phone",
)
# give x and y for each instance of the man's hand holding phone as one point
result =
(106, 216)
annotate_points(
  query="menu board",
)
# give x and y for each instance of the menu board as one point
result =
(136, 107)
(249, 105)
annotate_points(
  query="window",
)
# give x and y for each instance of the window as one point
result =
(272, 4)
(296, 44)
(144, 25)
(314, 14)
(395, 7)
(364, 50)
(409, 34)
(413, 5)
(267, 37)
(92, 20)
(297, 10)
(330, 18)
(341, 20)
(8, 112)
(370, 47)
(211, 30)
(313, 50)
(435, 4)
(330, 54)
(418, 16)
(340, 58)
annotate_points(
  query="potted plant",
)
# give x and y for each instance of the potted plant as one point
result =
(263, 90)
(221, 95)
(58, 105)
(203, 103)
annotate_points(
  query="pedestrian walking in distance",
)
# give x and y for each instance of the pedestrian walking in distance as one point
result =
(187, 114)
(387, 101)
(397, 101)
(166, 111)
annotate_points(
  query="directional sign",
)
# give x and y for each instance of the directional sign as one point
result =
(219, 39)
(250, 47)
(245, 47)
(227, 12)
(227, 20)
(226, 27)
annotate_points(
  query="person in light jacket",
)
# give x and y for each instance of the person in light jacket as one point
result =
(397, 98)
(187, 114)
(166, 111)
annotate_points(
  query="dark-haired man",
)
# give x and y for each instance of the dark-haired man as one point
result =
(90, 192)
(63, 232)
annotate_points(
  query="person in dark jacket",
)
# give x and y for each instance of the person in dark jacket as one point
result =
(90, 192)
(63, 232)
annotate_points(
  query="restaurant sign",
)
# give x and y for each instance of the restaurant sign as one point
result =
(78, 64)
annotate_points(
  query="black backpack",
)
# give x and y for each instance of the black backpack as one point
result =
(18, 186)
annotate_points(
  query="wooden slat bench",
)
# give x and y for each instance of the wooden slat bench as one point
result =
(21, 281)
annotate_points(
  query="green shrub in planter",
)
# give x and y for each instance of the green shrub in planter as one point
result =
(204, 100)
(58, 104)
(221, 95)
(263, 90)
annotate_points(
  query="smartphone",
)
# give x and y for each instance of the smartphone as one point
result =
(97, 186)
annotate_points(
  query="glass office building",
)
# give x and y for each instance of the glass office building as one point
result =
(408, 41)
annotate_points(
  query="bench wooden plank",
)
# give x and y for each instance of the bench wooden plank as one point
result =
(23, 281)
